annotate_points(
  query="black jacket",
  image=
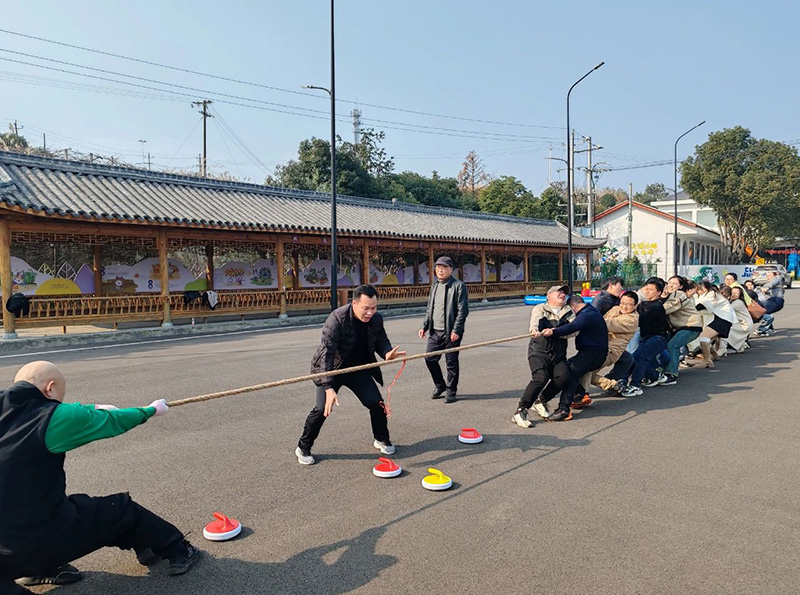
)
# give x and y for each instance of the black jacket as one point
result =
(338, 339)
(653, 319)
(604, 301)
(32, 480)
(591, 328)
(456, 307)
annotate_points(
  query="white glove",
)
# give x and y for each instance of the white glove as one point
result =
(106, 407)
(160, 406)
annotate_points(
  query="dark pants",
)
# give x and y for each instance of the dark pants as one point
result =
(567, 378)
(438, 340)
(542, 371)
(622, 367)
(363, 386)
(644, 359)
(110, 521)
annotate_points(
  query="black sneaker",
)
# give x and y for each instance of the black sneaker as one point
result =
(450, 398)
(147, 557)
(437, 393)
(181, 563)
(63, 575)
(560, 414)
(671, 379)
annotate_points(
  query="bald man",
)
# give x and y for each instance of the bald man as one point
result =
(42, 529)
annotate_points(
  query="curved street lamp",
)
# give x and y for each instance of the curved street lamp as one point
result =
(570, 177)
(676, 241)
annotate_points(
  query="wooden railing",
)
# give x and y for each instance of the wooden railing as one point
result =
(88, 309)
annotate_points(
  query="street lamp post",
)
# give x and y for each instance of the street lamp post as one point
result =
(677, 243)
(570, 273)
(332, 93)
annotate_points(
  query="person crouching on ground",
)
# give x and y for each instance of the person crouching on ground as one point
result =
(43, 529)
(546, 355)
(448, 307)
(718, 316)
(686, 322)
(772, 294)
(351, 336)
(592, 345)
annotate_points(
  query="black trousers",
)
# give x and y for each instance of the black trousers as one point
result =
(567, 378)
(622, 368)
(109, 521)
(363, 386)
(543, 369)
(438, 340)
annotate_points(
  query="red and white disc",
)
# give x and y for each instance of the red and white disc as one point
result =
(470, 436)
(222, 529)
(386, 468)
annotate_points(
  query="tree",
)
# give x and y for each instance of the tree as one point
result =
(507, 196)
(11, 141)
(606, 201)
(753, 185)
(655, 191)
(436, 191)
(552, 204)
(371, 154)
(472, 177)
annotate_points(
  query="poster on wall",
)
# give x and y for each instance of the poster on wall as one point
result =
(263, 274)
(511, 272)
(144, 276)
(491, 273)
(317, 275)
(28, 281)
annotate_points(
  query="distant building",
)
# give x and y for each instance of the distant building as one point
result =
(653, 235)
(688, 209)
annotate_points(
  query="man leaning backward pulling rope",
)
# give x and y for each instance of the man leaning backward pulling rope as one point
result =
(351, 336)
(448, 307)
(43, 529)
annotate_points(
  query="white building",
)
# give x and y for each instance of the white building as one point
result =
(688, 209)
(653, 237)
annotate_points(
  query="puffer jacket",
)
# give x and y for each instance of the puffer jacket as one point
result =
(545, 316)
(621, 328)
(687, 315)
(338, 340)
(713, 304)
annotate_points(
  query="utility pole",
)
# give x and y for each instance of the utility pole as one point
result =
(589, 172)
(571, 182)
(44, 141)
(148, 161)
(204, 112)
(549, 165)
(630, 221)
(17, 128)
(356, 114)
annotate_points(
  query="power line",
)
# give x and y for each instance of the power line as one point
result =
(273, 88)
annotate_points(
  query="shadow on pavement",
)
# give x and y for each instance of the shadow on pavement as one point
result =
(340, 567)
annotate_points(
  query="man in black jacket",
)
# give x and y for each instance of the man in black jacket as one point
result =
(609, 296)
(592, 345)
(448, 307)
(351, 336)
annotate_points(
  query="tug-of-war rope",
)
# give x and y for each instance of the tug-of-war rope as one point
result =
(284, 382)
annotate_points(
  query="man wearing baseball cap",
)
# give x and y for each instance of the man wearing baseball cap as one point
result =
(448, 307)
(547, 356)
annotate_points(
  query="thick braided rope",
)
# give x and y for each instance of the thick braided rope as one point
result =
(255, 387)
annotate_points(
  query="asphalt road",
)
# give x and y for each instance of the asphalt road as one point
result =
(687, 489)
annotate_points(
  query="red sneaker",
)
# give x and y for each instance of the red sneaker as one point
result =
(585, 401)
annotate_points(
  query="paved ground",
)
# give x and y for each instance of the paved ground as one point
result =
(687, 489)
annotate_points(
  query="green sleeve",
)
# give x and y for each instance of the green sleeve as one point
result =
(74, 425)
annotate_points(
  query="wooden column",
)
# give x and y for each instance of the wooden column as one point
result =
(560, 266)
(430, 263)
(526, 266)
(9, 323)
(210, 266)
(365, 264)
(163, 268)
(97, 267)
(461, 267)
(295, 269)
(483, 265)
(280, 270)
(416, 269)
(589, 266)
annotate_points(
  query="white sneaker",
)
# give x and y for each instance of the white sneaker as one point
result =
(632, 391)
(303, 459)
(541, 409)
(386, 448)
(521, 418)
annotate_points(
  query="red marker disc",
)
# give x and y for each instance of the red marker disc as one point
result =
(222, 529)
(470, 436)
(386, 468)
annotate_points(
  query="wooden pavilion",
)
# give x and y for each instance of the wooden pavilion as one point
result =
(49, 204)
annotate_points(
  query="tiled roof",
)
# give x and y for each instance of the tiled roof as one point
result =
(91, 192)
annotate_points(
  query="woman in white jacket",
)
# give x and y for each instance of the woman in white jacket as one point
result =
(741, 329)
(718, 318)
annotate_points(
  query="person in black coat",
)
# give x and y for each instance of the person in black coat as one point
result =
(351, 336)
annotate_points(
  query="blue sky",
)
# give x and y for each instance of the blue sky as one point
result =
(668, 66)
